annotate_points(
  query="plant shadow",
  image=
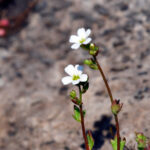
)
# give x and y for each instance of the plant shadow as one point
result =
(104, 129)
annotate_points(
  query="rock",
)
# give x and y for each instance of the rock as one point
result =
(101, 10)
(35, 109)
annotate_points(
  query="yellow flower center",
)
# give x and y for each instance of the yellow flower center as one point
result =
(82, 40)
(75, 77)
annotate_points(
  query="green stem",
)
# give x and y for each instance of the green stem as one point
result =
(82, 121)
(111, 99)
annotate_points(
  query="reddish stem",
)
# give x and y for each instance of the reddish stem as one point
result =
(82, 121)
(118, 134)
(111, 99)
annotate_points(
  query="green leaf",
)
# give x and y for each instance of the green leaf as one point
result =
(114, 144)
(90, 140)
(77, 115)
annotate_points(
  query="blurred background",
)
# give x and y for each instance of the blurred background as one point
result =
(35, 110)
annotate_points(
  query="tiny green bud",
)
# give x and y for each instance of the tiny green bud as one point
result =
(92, 46)
(116, 107)
(73, 94)
(88, 62)
(91, 63)
(93, 52)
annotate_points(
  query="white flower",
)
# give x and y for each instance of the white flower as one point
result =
(82, 37)
(75, 75)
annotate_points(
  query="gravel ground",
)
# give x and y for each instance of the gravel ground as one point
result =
(35, 110)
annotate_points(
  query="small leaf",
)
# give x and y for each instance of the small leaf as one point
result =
(114, 144)
(90, 140)
(77, 115)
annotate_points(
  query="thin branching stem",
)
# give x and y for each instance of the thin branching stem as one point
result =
(82, 121)
(111, 99)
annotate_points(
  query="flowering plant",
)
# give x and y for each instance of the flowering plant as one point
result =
(77, 78)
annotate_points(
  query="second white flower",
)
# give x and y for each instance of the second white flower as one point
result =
(75, 75)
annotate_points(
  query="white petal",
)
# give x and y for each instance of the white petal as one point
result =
(81, 33)
(79, 69)
(70, 70)
(88, 32)
(88, 40)
(74, 82)
(66, 80)
(83, 78)
(74, 39)
(75, 46)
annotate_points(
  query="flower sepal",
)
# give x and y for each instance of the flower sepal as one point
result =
(85, 47)
(85, 86)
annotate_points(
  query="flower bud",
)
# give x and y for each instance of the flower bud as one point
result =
(93, 52)
(116, 107)
(73, 94)
(92, 46)
(88, 62)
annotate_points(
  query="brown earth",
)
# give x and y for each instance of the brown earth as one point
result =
(35, 110)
